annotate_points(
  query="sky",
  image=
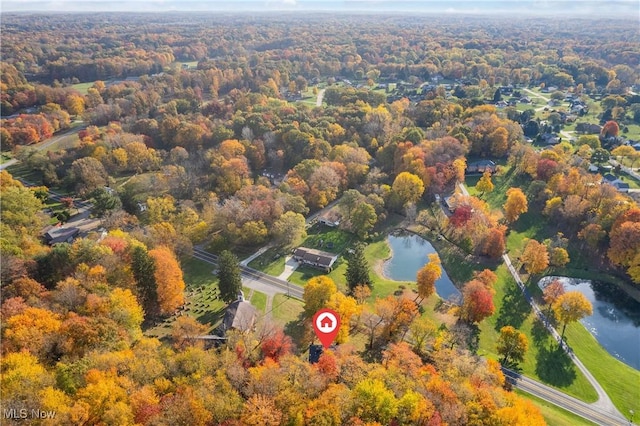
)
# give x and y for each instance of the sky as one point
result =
(622, 8)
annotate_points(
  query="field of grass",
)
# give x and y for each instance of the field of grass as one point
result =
(259, 300)
(328, 239)
(286, 309)
(553, 414)
(620, 381)
(83, 87)
(270, 262)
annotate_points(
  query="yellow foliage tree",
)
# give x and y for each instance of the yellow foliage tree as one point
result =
(535, 257)
(516, 204)
(428, 275)
(571, 307)
(485, 185)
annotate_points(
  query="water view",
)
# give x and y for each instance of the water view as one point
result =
(615, 322)
(409, 254)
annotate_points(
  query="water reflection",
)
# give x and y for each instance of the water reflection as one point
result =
(409, 254)
(615, 322)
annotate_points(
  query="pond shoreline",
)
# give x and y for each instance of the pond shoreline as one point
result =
(444, 284)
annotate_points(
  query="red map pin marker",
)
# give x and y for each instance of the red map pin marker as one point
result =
(326, 324)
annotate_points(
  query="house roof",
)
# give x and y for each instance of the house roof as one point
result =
(239, 315)
(482, 163)
(315, 256)
(60, 235)
(609, 177)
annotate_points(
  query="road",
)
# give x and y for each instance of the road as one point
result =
(255, 279)
(563, 400)
(320, 97)
(604, 404)
(627, 170)
(537, 95)
(43, 145)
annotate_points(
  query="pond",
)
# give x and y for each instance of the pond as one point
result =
(615, 322)
(409, 254)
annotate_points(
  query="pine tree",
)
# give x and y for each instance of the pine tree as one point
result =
(229, 280)
(357, 269)
(144, 267)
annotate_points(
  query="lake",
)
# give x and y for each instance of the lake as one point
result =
(615, 322)
(409, 254)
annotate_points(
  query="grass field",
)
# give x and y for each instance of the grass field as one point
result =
(83, 87)
(553, 414)
(621, 382)
(270, 262)
(259, 300)
(286, 309)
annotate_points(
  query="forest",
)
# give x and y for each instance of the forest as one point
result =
(156, 138)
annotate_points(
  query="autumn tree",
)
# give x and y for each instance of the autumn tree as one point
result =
(229, 280)
(494, 244)
(624, 246)
(169, 280)
(551, 293)
(512, 345)
(610, 128)
(516, 204)
(289, 228)
(570, 307)
(428, 275)
(408, 188)
(317, 293)
(88, 175)
(373, 402)
(558, 257)
(477, 302)
(535, 257)
(184, 331)
(357, 268)
(485, 185)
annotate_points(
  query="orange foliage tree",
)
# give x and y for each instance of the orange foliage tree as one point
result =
(168, 275)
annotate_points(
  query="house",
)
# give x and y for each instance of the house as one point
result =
(450, 203)
(525, 100)
(57, 235)
(615, 182)
(314, 353)
(240, 315)
(591, 129)
(316, 258)
(481, 166)
(593, 168)
(636, 146)
(330, 218)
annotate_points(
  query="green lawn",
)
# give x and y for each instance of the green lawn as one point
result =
(327, 239)
(553, 414)
(621, 382)
(5, 156)
(259, 300)
(270, 262)
(286, 309)
(82, 87)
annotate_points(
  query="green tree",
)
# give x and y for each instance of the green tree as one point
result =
(144, 269)
(357, 269)
(363, 219)
(512, 344)
(599, 156)
(289, 228)
(103, 201)
(229, 280)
